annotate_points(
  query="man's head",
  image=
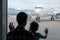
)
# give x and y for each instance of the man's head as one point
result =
(21, 18)
(34, 26)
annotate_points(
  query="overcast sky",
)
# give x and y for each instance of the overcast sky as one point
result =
(31, 4)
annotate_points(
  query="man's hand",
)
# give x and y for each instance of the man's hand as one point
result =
(11, 26)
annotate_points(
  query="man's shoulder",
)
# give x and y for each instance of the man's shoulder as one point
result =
(28, 33)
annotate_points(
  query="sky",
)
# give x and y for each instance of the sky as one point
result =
(31, 4)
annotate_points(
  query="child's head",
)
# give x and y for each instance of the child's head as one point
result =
(33, 26)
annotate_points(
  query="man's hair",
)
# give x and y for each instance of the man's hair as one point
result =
(21, 17)
(34, 26)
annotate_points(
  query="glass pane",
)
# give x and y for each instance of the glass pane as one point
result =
(45, 12)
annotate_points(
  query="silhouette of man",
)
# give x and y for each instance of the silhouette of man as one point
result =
(20, 33)
(34, 27)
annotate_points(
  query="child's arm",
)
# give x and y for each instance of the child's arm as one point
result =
(46, 33)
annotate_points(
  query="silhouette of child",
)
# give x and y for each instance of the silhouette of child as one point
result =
(34, 27)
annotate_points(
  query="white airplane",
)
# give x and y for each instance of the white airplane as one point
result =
(42, 13)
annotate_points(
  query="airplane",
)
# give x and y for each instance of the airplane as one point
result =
(37, 15)
(41, 13)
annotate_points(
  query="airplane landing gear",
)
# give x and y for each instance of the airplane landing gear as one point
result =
(38, 19)
(52, 18)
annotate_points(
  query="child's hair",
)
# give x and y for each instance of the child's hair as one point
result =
(34, 26)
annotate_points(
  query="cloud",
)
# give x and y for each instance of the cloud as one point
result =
(16, 4)
(30, 4)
